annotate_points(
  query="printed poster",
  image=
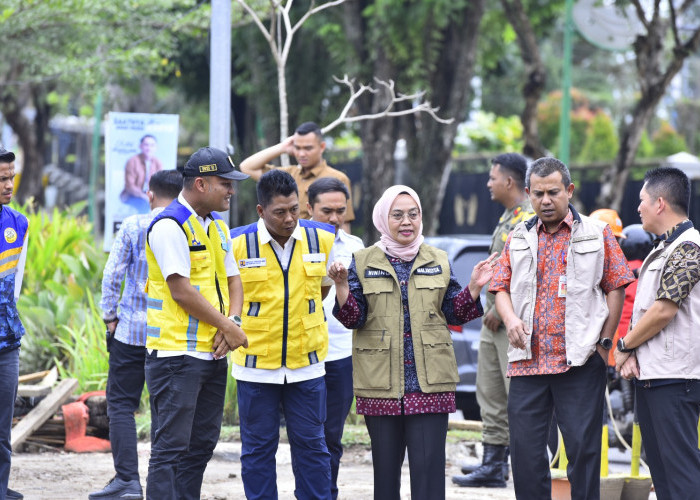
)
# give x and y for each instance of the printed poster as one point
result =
(136, 146)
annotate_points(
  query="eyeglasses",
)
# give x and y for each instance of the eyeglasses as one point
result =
(398, 216)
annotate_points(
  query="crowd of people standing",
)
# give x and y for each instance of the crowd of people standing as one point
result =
(312, 319)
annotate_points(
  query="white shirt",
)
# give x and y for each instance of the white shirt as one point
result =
(172, 252)
(339, 337)
(279, 375)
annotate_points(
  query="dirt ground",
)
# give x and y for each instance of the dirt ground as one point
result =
(60, 475)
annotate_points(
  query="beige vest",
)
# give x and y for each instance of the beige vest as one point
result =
(377, 356)
(586, 308)
(675, 351)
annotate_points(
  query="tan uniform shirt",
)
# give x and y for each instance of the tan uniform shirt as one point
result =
(304, 180)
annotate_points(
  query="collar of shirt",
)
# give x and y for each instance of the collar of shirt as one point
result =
(204, 221)
(156, 211)
(568, 220)
(315, 171)
(673, 233)
(266, 237)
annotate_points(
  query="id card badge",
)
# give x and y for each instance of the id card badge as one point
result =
(562, 287)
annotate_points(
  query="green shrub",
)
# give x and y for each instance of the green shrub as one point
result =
(601, 140)
(667, 141)
(62, 279)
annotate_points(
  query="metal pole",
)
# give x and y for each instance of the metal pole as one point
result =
(220, 80)
(564, 118)
(94, 168)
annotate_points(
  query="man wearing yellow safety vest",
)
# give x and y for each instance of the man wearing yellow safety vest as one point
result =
(194, 301)
(661, 349)
(283, 262)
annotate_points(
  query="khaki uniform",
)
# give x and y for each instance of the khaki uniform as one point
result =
(304, 180)
(491, 381)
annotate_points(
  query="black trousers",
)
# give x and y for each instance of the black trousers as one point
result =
(577, 397)
(668, 419)
(125, 382)
(424, 437)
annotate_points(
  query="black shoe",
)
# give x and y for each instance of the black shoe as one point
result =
(469, 468)
(118, 489)
(13, 495)
(490, 473)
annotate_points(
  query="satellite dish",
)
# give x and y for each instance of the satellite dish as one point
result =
(606, 26)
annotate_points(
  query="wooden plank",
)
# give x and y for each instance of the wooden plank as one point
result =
(43, 411)
(465, 425)
(40, 389)
(32, 377)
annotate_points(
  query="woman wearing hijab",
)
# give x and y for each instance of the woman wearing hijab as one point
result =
(399, 295)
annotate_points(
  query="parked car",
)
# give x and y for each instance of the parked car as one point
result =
(464, 251)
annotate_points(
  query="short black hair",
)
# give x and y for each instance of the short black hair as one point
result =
(166, 183)
(326, 185)
(310, 128)
(546, 166)
(146, 137)
(7, 156)
(514, 165)
(276, 182)
(671, 184)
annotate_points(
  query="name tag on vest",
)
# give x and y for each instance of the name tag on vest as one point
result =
(256, 262)
(314, 257)
(429, 271)
(377, 273)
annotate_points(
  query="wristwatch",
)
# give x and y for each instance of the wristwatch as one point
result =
(236, 319)
(605, 343)
(621, 346)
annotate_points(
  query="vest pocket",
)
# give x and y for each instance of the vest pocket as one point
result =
(371, 361)
(315, 268)
(258, 331)
(257, 287)
(376, 291)
(313, 337)
(439, 356)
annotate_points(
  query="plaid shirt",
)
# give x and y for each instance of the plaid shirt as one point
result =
(548, 341)
(127, 263)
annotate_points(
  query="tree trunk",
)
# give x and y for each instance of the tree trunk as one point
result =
(13, 105)
(536, 78)
(653, 80)
(429, 143)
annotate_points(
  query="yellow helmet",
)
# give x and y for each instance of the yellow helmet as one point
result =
(610, 217)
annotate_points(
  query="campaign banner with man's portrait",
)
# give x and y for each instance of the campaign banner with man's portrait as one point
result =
(137, 145)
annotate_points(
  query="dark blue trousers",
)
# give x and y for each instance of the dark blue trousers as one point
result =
(304, 407)
(188, 395)
(338, 403)
(668, 419)
(124, 387)
(9, 371)
(577, 398)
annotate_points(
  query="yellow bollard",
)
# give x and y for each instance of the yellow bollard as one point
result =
(604, 453)
(636, 450)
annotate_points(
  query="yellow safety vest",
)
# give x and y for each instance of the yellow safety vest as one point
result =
(169, 326)
(283, 310)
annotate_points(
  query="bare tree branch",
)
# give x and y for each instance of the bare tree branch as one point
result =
(388, 111)
(640, 13)
(685, 6)
(313, 10)
(674, 28)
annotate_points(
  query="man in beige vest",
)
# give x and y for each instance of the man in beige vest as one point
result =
(661, 348)
(559, 287)
(507, 187)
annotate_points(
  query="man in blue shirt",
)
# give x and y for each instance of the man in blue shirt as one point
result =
(13, 253)
(125, 318)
